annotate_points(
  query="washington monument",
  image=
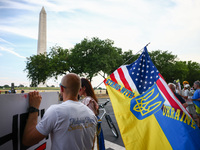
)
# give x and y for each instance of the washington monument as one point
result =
(42, 32)
(42, 36)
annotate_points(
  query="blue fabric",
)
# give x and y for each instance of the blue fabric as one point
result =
(196, 96)
(100, 137)
(180, 135)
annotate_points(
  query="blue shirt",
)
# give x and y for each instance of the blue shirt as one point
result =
(197, 103)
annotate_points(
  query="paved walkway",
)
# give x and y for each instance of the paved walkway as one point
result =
(111, 146)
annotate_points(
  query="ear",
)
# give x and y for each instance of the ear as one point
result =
(84, 88)
(61, 89)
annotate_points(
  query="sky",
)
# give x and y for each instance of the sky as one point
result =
(169, 25)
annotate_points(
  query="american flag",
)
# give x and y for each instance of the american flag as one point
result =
(141, 75)
(143, 72)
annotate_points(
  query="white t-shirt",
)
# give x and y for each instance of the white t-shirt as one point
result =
(72, 126)
(186, 92)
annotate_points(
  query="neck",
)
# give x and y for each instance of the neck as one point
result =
(73, 98)
(85, 94)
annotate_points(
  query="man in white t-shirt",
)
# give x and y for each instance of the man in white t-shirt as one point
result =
(72, 125)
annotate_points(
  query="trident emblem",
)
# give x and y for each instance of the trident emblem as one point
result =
(148, 103)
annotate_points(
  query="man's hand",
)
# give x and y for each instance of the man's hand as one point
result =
(31, 134)
(34, 99)
(185, 105)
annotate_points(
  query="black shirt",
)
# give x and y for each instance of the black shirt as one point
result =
(179, 98)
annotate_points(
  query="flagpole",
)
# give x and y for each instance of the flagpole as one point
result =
(126, 61)
(135, 54)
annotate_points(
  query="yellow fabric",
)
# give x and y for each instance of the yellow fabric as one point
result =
(197, 109)
(136, 134)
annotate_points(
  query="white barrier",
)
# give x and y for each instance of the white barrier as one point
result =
(13, 115)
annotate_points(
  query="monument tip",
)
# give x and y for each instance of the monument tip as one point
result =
(43, 10)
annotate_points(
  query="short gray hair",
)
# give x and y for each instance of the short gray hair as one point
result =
(197, 83)
(172, 86)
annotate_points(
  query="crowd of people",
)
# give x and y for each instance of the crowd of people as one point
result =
(189, 97)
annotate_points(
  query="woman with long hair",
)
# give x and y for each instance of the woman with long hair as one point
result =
(91, 101)
(90, 98)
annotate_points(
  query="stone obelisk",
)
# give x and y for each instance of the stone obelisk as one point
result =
(42, 36)
(42, 32)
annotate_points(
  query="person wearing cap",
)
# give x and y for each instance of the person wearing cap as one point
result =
(196, 100)
(185, 82)
(186, 91)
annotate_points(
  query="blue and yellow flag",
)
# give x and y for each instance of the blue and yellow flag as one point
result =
(148, 114)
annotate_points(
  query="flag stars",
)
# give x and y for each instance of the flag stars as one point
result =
(143, 73)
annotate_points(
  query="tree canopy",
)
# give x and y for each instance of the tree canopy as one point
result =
(89, 57)
(93, 56)
(43, 66)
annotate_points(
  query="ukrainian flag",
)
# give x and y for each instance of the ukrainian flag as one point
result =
(148, 114)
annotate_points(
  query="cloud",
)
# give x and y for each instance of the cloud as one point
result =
(4, 41)
(171, 25)
(11, 51)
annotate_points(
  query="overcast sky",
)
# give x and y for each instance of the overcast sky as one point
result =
(172, 25)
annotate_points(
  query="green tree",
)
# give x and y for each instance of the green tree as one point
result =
(89, 57)
(164, 62)
(43, 66)
(21, 85)
(37, 67)
(128, 57)
(6, 86)
(180, 70)
(193, 72)
(58, 61)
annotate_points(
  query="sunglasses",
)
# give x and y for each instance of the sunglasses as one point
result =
(62, 86)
